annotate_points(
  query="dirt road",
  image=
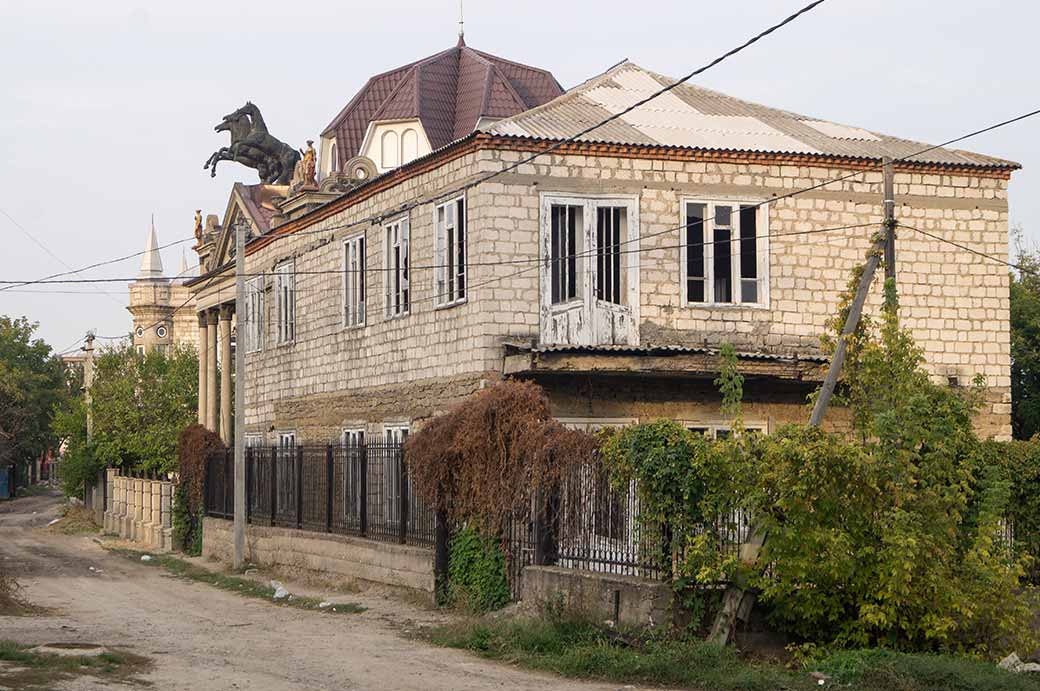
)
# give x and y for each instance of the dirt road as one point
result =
(203, 638)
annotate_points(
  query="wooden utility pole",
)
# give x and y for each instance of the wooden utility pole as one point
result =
(884, 244)
(242, 320)
(890, 220)
(738, 601)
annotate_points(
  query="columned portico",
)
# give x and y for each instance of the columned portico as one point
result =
(226, 311)
(211, 371)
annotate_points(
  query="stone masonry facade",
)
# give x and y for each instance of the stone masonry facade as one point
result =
(407, 368)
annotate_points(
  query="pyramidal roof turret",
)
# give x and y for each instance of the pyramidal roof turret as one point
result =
(151, 262)
(450, 92)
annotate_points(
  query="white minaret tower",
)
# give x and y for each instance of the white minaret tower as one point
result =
(151, 262)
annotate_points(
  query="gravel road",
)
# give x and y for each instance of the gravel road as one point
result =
(202, 638)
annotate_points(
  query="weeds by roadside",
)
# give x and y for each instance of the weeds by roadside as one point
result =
(11, 603)
(576, 648)
(26, 669)
(75, 520)
(235, 584)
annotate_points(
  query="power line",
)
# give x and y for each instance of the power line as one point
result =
(527, 260)
(404, 208)
(972, 250)
(98, 264)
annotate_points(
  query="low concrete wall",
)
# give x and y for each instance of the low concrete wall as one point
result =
(139, 510)
(323, 556)
(633, 601)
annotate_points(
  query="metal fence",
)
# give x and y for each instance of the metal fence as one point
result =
(590, 524)
(359, 490)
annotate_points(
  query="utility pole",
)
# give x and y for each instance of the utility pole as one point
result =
(88, 381)
(884, 244)
(890, 220)
(241, 319)
(737, 601)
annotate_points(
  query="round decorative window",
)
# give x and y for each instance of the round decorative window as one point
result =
(361, 173)
(139, 332)
(161, 332)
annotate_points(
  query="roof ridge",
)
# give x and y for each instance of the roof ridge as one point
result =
(508, 84)
(569, 94)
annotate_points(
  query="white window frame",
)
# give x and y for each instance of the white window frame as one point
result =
(394, 432)
(286, 439)
(761, 250)
(593, 424)
(450, 252)
(254, 316)
(253, 440)
(713, 428)
(396, 294)
(353, 436)
(285, 300)
(355, 281)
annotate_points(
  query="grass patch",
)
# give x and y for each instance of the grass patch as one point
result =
(75, 520)
(246, 587)
(576, 648)
(885, 670)
(21, 668)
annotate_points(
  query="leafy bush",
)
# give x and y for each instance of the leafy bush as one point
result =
(79, 463)
(477, 572)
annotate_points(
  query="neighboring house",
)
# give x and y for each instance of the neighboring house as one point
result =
(160, 306)
(611, 270)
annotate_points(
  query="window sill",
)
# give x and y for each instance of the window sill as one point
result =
(729, 306)
(449, 305)
(353, 327)
(395, 317)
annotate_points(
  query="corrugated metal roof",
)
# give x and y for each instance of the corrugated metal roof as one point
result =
(693, 117)
(664, 349)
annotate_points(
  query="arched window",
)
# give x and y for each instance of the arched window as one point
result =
(333, 161)
(409, 146)
(390, 153)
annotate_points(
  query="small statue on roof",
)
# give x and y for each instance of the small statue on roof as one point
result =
(305, 173)
(198, 224)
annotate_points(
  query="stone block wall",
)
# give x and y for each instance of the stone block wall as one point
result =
(955, 303)
(625, 600)
(334, 559)
(140, 510)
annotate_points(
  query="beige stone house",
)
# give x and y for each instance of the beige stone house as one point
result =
(611, 270)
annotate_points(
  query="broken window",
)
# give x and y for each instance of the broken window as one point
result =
(396, 263)
(354, 281)
(450, 261)
(565, 246)
(285, 290)
(610, 220)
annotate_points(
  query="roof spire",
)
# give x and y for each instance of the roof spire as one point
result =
(151, 262)
(462, 27)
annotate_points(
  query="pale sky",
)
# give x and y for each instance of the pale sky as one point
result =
(107, 107)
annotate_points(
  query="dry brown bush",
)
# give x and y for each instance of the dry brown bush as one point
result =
(194, 446)
(480, 461)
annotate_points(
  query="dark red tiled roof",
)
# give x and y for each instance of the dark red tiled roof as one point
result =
(448, 92)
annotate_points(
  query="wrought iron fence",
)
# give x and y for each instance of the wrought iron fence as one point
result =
(590, 524)
(358, 490)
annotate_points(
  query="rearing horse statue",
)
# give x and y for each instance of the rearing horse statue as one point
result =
(252, 146)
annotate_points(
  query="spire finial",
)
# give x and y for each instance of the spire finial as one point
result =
(151, 262)
(462, 26)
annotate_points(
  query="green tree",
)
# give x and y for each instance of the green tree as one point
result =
(1025, 346)
(32, 383)
(140, 404)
